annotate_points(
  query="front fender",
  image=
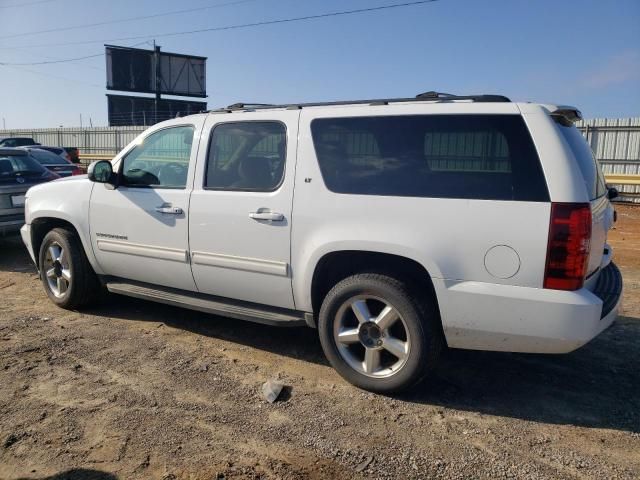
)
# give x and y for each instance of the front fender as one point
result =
(64, 200)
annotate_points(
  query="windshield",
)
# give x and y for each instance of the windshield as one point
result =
(19, 165)
(47, 158)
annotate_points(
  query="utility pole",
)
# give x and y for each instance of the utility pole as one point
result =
(80, 120)
(4, 124)
(156, 56)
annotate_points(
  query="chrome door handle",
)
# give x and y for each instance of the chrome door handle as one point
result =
(169, 209)
(271, 216)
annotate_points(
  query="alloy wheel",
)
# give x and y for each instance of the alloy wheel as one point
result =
(371, 336)
(57, 269)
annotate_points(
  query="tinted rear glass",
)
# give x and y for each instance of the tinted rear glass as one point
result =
(445, 156)
(590, 169)
(12, 165)
(47, 158)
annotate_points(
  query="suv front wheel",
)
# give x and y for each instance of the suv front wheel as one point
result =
(66, 273)
(377, 335)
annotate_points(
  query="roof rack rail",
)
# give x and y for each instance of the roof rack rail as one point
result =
(448, 96)
(245, 106)
(426, 96)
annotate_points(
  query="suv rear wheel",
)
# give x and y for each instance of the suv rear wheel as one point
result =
(377, 335)
(66, 274)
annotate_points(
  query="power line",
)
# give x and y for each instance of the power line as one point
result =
(26, 4)
(65, 60)
(56, 76)
(245, 25)
(83, 65)
(122, 20)
(34, 72)
(47, 62)
(41, 56)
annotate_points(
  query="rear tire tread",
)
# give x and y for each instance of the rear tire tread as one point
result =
(427, 326)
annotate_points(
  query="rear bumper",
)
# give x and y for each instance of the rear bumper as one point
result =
(609, 289)
(482, 316)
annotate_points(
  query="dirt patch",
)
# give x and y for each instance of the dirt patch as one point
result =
(139, 390)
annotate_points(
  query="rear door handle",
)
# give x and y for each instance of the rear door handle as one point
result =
(271, 216)
(169, 209)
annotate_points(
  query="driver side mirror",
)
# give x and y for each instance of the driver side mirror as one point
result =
(101, 172)
(612, 193)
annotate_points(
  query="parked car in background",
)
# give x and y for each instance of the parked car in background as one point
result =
(61, 151)
(53, 162)
(18, 172)
(74, 154)
(17, 142)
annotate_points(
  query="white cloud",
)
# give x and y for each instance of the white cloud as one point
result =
(619, 68)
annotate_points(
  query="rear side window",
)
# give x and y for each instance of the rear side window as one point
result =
(248, 156)
(488, 157)
(589, 167)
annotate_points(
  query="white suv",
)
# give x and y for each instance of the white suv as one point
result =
(395, 227)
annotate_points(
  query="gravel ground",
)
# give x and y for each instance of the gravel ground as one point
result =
(138, 390)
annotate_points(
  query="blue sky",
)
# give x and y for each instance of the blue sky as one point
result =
(585, 53)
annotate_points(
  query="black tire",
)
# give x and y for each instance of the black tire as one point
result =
(83, 288)
(419, 318)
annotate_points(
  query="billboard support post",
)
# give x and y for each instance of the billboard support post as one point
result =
(156, 55)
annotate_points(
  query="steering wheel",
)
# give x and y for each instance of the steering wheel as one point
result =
(173, 173)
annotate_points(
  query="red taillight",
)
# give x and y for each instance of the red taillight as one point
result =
(568, 249)
(77, 171)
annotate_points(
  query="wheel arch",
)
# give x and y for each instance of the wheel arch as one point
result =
(40, 226)
(337, 265)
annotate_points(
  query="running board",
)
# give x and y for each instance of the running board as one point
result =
(209, 304)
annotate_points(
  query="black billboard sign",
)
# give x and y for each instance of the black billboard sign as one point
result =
(141, 111)
(135, 69)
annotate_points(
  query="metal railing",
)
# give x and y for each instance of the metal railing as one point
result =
(623, 179)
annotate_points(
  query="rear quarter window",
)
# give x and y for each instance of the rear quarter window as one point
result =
(589, 167)
(488, 157)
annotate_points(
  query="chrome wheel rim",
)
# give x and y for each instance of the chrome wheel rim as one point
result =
(371, 336)
(57, 270)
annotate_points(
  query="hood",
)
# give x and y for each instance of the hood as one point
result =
(43, 186)
(73, 178)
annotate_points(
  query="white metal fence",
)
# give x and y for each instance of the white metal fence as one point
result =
(615, 142)
(96, 140)
(612, 139)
